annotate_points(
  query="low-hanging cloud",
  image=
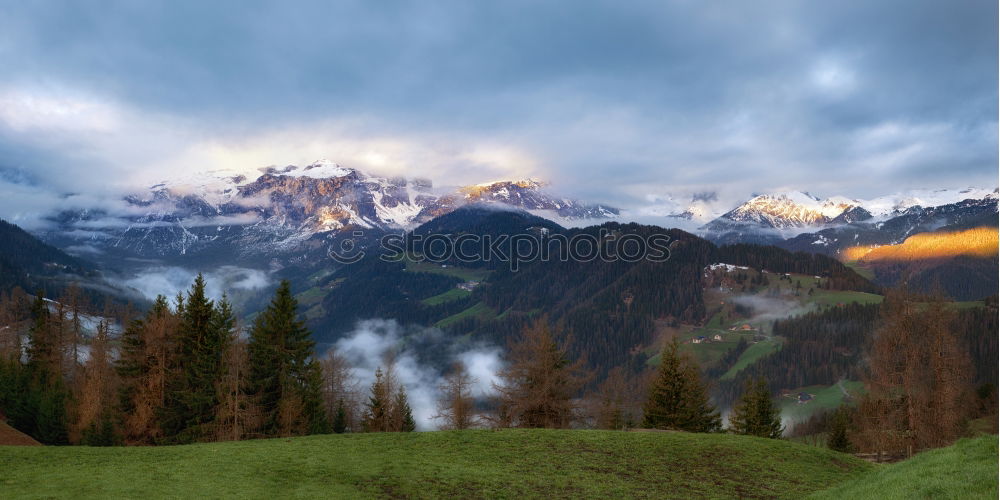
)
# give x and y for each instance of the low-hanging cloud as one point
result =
(770, 308)
(368, 345)
(171, 280)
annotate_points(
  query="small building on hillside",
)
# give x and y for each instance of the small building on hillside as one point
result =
(717, 337)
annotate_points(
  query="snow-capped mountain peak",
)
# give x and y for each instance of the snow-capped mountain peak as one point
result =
(790, 211)
(900, 202)
(321, 169)
(285, 206)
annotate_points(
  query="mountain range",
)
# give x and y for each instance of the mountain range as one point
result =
(780, 216)
(288, 215)
(219, 214)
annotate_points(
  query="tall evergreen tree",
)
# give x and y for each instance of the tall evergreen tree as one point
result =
(43, 405)
(43, 349)
(404, 415)
(284, 378)
(378, 409)
(191, 396)
(678, 399)
(756, 414)
(837, 438)
(340, 418)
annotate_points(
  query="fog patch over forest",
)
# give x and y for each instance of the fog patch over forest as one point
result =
(421, 356)
(770, 308)
(171, 280)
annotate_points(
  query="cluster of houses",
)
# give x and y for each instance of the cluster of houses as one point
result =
(701, 339)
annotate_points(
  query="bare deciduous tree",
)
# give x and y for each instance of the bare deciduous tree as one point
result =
(341, 393)
(456, 407)
(617, 404)
(918, 378)
(539, 384)
(237, 417)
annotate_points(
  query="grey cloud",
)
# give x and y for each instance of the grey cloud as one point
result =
(607, 95)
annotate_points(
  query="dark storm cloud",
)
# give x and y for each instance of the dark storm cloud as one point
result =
(614, 99)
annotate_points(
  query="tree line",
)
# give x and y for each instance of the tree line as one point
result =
(186, 371)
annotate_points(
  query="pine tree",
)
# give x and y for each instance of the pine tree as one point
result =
(43, 350)
(678, 399)
(403, 415)
(340, 418)
(756, 414)
(837, 439)
(43, 405)
(284, 378)
(191, 396)
(50, 418)
(378, 409)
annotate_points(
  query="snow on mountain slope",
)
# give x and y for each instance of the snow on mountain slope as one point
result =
(897, 203)
(221, 211)
(800, 210)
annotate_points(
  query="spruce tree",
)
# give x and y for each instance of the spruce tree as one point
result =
(678, 399)
(837, 438)
(283, 373)
(756, 414)
(191, 396)
(340, 418)
(43, 403)
(378, 408)
(401, 407)
(50, 417)
(42, 350)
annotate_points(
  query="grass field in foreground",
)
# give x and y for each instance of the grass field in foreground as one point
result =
(965, 470)
(468, 464)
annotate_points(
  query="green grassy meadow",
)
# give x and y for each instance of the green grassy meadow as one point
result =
(478, 309)
(450, 295)
(466, 464)
(751, 355)
(824, 398)
(965, 470)
(463, 273)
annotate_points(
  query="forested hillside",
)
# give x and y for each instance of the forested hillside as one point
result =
(28, 263)
(607, 308)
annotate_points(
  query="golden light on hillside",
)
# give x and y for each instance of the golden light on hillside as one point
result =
(978, 242)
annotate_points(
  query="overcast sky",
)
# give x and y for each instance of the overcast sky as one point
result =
(621, 102)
